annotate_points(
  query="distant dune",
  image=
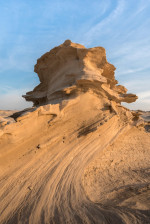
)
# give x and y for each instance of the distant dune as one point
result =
(77, 156)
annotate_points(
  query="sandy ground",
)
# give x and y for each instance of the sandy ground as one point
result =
(65, 172)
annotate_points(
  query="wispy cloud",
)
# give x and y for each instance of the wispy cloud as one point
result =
(102, 26)
(28, 30)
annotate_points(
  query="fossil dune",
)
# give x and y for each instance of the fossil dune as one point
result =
(77, 156)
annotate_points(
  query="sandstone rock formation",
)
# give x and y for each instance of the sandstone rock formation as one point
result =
(71, 69)
(77, 156)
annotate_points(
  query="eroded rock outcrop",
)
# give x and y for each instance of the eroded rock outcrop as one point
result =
(77, 156)
(71, 69)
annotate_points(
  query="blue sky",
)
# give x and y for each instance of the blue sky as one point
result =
(29, 28)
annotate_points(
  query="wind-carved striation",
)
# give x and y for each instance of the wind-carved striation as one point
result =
(70, 69)
(46, 151)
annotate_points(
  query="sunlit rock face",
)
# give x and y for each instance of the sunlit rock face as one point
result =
(70, 70)
(77, 156)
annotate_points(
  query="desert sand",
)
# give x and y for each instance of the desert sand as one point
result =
(77, 156)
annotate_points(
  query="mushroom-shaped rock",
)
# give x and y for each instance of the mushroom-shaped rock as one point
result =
(70, 70)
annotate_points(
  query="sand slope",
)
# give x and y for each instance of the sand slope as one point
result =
(68, 173)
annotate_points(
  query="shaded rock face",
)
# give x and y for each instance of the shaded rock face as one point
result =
(70, 70)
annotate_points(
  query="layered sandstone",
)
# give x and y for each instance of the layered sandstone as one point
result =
(77, 156)
(71, 69)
